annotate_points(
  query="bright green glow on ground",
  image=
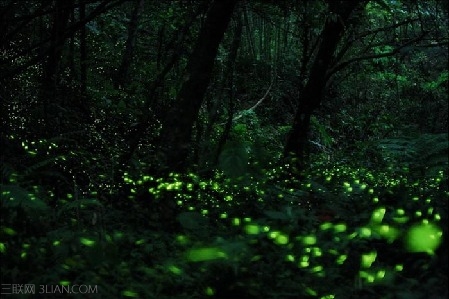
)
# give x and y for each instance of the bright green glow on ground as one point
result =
(2, 247)
(325, 226)
(290, 258)
(87, 242)
(183, 240)
(424, 237)
(367, 275)
(386, 231)
(381, 274)
(309, 240)
(400, 216)
(252, 229)
(128, 293)
(341, 259)
(368, 259)
(378, 215)
(339, 228)
(175, 270)
(209, 291)
(273, 234)
(281, 239)
(311, 292)
(316, 251)
(365, 232)
(205, 254)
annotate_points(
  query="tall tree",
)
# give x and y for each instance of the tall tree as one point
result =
(176, 133)
(312, 94)
(121, 77)
(61, 17)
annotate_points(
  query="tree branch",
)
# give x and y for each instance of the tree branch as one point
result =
(346, 63)
(242, 113)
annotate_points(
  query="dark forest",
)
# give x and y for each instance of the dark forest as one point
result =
(228, 149)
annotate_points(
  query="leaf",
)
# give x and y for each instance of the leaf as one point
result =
(14, 196)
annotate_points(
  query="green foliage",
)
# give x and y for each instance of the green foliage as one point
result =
(234, 159)
(442, 78)
(15, 197)
(426, 154)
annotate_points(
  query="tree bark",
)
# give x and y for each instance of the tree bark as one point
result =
(121, 77)
(50, 76)
(176, 133)
(295, 149)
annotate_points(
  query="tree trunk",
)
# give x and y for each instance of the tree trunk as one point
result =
(121, 77)
(83, 50)
(50, 76)
(176, 133)
(296, 146)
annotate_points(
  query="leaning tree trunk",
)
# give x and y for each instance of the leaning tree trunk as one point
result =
(311, 97)
(176, 134)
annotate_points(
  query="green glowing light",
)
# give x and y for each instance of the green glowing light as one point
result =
(281, 239)
(424, 237)
(341, 259)
(365, 232)
(273, 234)
(182, 239)
(316, 251)
(303, 264)
(311, 292)
(368, 259)
(87, 242)
(175, 270)
(128, 293)
(205, 254)
(252, 229)
(378, 215)
(339, 228)
(309, 240)
(9, 231)
(290, 258)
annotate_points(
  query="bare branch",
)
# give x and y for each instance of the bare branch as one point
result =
(242, 113)
(393, 52)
